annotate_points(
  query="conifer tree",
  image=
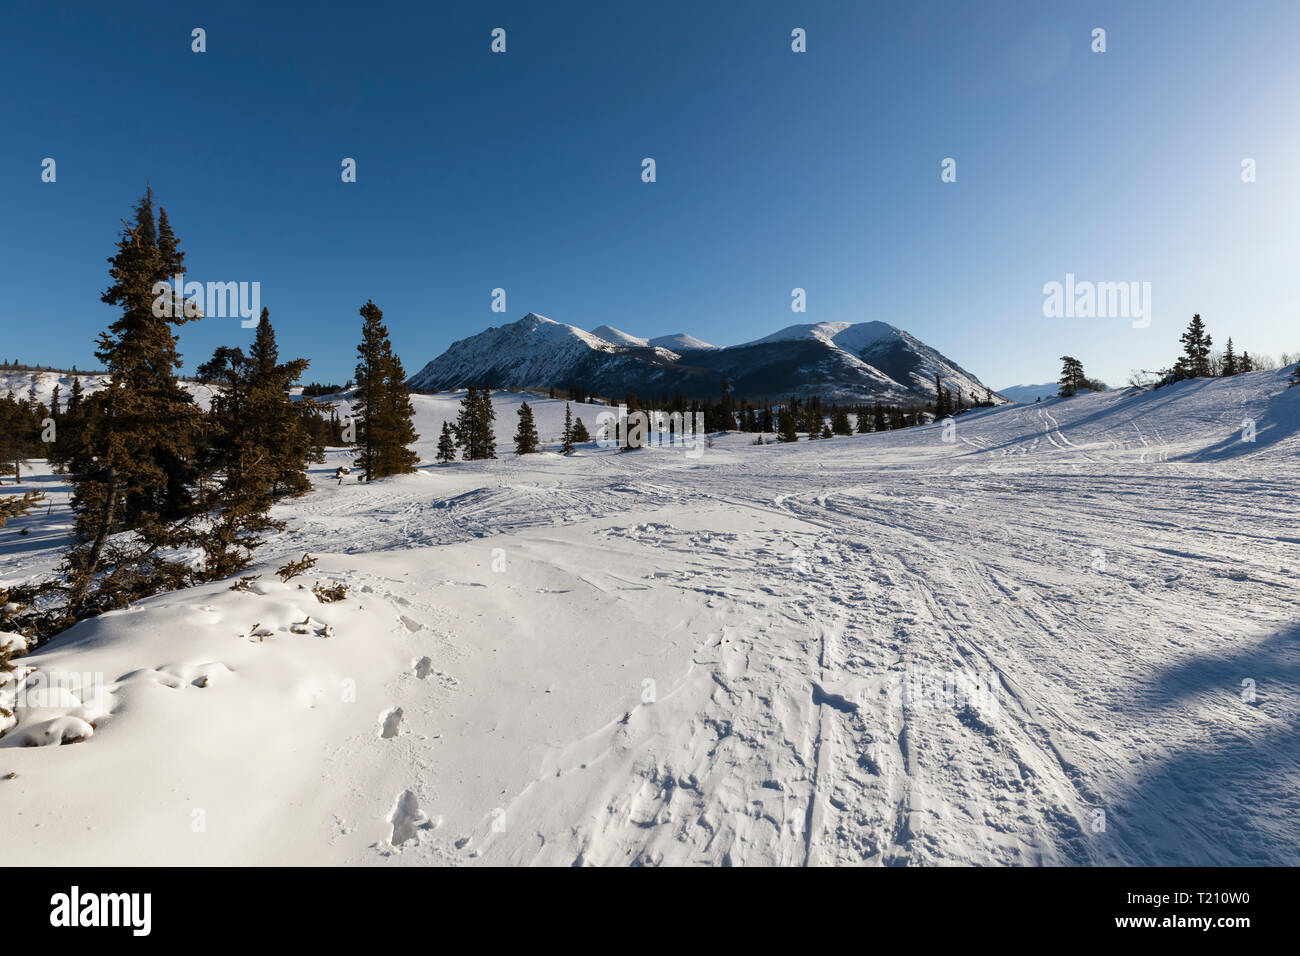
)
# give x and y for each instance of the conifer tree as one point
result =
(486, 414)
(567, 437)
(1195, 361)
(878, 419)
(840, 424)
(864, 420)
(526, 437)
(446, 444)
(1072, 376)
(135, 462)
(383, 408)
(580, 435)
(1229, 359)
(785, 426)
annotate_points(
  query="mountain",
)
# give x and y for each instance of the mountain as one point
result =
(1028, 394)
(842, 361)
(679, 342)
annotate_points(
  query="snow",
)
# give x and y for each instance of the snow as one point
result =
(619, 337)
(1066, 636)
(19, 382)
(680, 342)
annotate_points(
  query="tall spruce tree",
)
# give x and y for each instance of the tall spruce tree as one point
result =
(567, 438)
(1195, 361)
(383, 408)
(136, 462)
(526, 437)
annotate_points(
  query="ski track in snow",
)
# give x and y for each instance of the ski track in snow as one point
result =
(1109, 569)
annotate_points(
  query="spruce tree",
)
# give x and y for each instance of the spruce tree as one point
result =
(567, 437)
(446, 444)
(465, 427)
(580, 435)
(135, 464)
(278, 427)
(840, 423)
(1229, 359)
(1072, 376)
(383, 408)
(526, 437)
(785, 426)
(878, 419)
(484, 417)
(1195, 361)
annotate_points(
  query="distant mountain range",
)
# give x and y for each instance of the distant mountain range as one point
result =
(843, 361)
(1028, 394)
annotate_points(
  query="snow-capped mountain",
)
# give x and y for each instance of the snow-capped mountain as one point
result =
(839, 360)
(1028, 394)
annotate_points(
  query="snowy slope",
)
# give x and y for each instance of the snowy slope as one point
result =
(1067, 635)
(619, 337)
(680, 342)
(19, 382)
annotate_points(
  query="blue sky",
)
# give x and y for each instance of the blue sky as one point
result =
(775, 170)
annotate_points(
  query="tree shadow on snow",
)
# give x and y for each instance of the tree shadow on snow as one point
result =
(1230, 794)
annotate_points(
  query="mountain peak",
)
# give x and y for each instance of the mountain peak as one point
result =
(841, 361)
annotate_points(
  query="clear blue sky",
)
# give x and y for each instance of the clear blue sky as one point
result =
(775, 169)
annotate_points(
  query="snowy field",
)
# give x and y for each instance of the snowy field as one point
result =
(1069, 636)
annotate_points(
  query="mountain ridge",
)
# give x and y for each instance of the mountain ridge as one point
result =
(842, 361)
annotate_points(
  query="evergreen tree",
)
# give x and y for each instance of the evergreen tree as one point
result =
(473, 428)
(1247, 363)
(580, 435)
(446, 445)
(840, 423)
(826, 431)
(941, 409)
(383, 408)
(878, 419)
(567, 437)
(1229, 359)
(1195, 361)
(135, 463)
(785, 426)
(526, 437)
(1072, 376)
(278, 428)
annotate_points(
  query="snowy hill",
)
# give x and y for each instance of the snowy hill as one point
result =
(20, 382)
(866, 361)
(1027, 394)
(1022, 637)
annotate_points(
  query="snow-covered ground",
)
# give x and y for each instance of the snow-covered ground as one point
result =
(1070, 635)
